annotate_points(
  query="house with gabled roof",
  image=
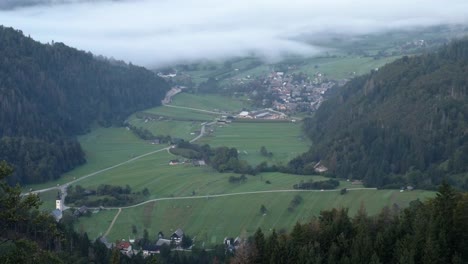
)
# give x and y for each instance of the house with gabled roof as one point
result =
(177, 236)
(124, 247)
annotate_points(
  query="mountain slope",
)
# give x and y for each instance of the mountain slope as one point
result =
(403, 124)
(50, 93)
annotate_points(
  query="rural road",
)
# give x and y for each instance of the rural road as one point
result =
(195, 109)
(63, 187)
(113, 222)
(225, 195)
(174, 91)
(211, 196)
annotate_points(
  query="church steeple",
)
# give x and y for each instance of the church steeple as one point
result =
(58, 202)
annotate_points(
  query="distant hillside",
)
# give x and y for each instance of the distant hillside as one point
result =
(50, 93)
(403, 124)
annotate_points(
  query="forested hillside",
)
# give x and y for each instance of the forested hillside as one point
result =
(433, 231)
(51, 93)
(405, 123)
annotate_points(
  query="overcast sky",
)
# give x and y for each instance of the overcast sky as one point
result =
(160, 32)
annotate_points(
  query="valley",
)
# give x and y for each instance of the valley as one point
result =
(198, 199)
(182, 132)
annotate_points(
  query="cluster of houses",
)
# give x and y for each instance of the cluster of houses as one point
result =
(128, 247)
(290, 93)
(297, 94)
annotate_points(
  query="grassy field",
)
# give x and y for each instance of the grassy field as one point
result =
(340, 68)
(210, 220)
(182, 114)
(284, 140)
(48, 200)
(103, 147)
(175, 123)
(163, 180)
(210, 102)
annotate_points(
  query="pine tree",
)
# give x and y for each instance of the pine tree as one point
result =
(259, 243)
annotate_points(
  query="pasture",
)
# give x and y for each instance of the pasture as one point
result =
(284, 139)
(210, 102)
(343, 67)
(103, 147)
(209, 220)
(182, 114)
(164, 180)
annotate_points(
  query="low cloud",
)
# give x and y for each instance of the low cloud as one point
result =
(162, 32)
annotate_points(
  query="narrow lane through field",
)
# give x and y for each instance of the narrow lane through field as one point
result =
(112, 223)
(226, 194)
(194, 109)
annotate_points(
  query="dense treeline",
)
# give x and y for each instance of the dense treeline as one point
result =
(30, 236)
(50, 93)
(435, 231)
(145, 134)
(317, 185)
(403, 124)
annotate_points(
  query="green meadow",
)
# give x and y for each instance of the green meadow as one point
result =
(186, 130)
(164, 180)
(210, 102)
(104, 147)
(284, 140)
(209, 220)
(344, 67)
(180, 114)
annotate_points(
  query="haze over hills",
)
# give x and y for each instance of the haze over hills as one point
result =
(156, 33)
(51, 93)
(403, 124)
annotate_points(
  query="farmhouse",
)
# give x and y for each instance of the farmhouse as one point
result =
(149, 250)
(174, 162)
(320, 168)
(125, 247)
(244, 114)
(177, 236)
(81, 211)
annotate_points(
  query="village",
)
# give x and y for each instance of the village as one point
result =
(294, 92)
(275, 94)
